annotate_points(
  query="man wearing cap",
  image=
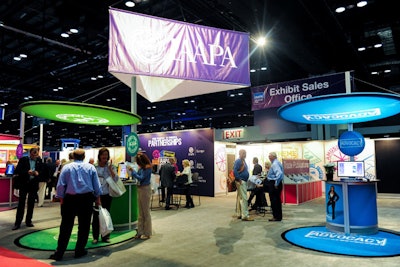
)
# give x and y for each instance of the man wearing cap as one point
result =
(77, 187)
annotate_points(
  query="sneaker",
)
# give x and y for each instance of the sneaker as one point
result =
(248, 219)
(95, 241)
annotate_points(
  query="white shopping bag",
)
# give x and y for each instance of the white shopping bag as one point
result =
(106, 225)
(116, 188)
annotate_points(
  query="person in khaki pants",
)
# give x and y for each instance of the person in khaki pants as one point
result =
(241, 172)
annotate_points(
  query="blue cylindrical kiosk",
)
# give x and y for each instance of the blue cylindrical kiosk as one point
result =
(355, 210)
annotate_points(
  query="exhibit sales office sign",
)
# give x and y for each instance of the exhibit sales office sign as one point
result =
(151, 46)
(279, 94)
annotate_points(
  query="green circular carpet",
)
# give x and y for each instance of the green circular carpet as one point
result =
(46, 239)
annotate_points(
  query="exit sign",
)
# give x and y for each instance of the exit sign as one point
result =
(233, 134)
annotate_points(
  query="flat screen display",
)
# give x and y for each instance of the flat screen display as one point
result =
(122, 171)
(350, 169)
(10, 169)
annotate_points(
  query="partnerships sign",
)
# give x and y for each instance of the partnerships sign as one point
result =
(163, 54)
(278, 94)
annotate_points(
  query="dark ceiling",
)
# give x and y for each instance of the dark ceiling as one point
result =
(307, 38)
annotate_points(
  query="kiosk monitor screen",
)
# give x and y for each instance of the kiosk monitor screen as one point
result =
(350, 169)
(10, 169)
(122, 171)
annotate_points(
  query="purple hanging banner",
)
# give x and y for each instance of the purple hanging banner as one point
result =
(143, 45)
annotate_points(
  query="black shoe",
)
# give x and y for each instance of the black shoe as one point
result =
(168, 208)
(80, 254)
(192, 206)
(29, 224)
(55, 257)
(16, 227)
(275, 220)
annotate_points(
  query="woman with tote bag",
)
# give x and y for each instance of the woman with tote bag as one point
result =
(104, 169)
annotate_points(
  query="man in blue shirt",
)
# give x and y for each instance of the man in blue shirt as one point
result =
(77, 187)
(241, 172)
(275, 177)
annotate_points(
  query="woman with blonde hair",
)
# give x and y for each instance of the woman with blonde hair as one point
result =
(186, 186)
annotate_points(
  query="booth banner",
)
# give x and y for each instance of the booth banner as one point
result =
(296, 166)
(197, 146)
(150, 46)
(279, 94)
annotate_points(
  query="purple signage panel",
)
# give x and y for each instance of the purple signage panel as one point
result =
(278, 94)
(195, 145)
(145, 45)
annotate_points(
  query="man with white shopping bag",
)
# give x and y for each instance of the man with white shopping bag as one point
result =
(77, 187)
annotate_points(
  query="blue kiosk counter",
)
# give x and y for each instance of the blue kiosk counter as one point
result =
(124, 209)
(351, 206)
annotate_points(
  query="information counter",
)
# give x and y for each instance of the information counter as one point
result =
(124, 209)
(355, 208)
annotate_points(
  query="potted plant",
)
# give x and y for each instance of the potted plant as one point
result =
(330, 170)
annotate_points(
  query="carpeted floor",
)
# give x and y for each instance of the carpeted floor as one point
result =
(46, 239)
(209, 235)
(319, 238)
(10, 258)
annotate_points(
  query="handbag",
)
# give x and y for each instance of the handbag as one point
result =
(116, 188)
(105, 221)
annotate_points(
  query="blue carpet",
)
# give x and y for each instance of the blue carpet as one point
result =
(319, 238)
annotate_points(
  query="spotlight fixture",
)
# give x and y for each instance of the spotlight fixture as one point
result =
(129, 4)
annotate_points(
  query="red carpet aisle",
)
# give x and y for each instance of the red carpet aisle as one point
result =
(9, 258)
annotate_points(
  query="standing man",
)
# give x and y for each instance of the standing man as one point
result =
(78, 186)
(275, 177)
(167, 177)
(44, 178)
(52, 167)
(54, 178)
(27, 181)
(241, 172)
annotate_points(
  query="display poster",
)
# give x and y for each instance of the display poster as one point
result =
(221, 171)
(195, 145)
(334, 203)
(333, 154)
(296, 171)
(313, 151)
(292, 150)
(3, 159)
(296, 166)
